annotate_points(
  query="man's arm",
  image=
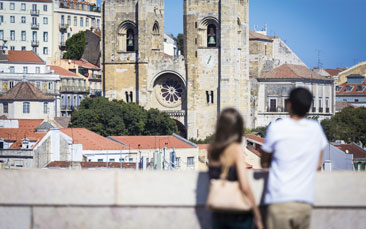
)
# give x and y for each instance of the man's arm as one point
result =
(266, 159)
(320, 161)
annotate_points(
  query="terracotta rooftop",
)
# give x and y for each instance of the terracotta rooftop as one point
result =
(354, 149)
(16, 135)
(29, 123)
(352, 89)
(25, 91)
(84, 64)
(334, 72)
(91, 140)
(292, 71)
(23, 57)
(95, 165)
(254, 137)
(152, 142)
(62, 72)
(258, 36)
(203, 146)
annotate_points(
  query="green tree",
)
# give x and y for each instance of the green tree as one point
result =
(115, 118)
(75, 46)
(207, 140)
(348, 125)
(180, 43)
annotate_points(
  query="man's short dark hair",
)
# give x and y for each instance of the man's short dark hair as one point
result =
(301, 100)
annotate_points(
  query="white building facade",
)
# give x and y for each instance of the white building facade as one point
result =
(27, 25)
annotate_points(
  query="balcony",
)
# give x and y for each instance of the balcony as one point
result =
(36, 196)
(34, 12)
(63, 27)
(34, 26)
(74, 89)
(62, 45)
(67, 107)
(95, 92)
(35, 43)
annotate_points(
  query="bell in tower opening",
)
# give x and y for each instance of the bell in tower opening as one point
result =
(211, 36)
(130, 41)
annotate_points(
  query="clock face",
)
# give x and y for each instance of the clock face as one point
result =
(208, 60)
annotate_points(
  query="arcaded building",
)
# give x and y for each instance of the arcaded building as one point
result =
(212, 75)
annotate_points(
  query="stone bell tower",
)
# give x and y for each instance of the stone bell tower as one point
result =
(217, 61)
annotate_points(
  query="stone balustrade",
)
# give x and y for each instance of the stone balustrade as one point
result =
(133, 199)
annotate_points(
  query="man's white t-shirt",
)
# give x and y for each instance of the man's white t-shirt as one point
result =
(296, 147)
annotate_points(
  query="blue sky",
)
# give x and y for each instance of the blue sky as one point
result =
(335, 27)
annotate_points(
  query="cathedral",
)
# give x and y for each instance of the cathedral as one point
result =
(212, 75)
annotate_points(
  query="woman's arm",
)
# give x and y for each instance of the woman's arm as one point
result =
(244, 183)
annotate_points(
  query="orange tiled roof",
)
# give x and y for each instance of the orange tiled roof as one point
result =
(354, 149)
(23, 57)
(293, 71)
(16, 135)
(91, 140)
(25, 91)
(255, 138)
(203, 146)
(354, 89)
(151, 142)
(334, 72)
(84, 64)
(29, 123)
(62, 72)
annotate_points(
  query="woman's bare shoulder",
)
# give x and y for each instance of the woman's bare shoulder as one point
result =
(233, 149)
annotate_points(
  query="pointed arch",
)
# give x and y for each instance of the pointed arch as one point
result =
(127, 37)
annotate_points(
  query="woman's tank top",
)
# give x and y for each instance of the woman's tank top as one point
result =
(215, 172)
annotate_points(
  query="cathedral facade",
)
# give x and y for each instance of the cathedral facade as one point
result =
(212, 75)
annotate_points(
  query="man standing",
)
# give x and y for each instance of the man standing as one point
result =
(293, 151)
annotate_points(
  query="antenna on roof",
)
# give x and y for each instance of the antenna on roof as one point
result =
(320, 64)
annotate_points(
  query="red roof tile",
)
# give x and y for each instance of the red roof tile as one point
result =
(354, 149)
(16, 135)
(84, 64)
(334, 72)
(203, 146)
(25, 91)
(62, 72)
(89, 165)
(152, 142)
(23, 57)
(292, 71)
(91, 140)
(29, 123)
(353, 91)
(255, 138)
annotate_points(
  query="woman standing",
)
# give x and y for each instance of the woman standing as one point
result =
(226, 151)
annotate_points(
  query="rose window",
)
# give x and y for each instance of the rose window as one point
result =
(169, 91)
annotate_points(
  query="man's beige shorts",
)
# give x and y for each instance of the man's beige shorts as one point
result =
(288, 215)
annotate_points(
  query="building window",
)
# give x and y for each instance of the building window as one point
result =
(45, 20)
(81, 21)
(356, 100)
(121, 160)
(69, 20)
(23, 36)
(38, 85)
(211, 35)
(210, 97)
(78, 6)
(38, 70)
(50, 85)
(130, 40)
(45, 108)
(24, 48)
(45, 8)
(129, 96)
(1, 18)
(348, 88)
(272, 105)
(98, 23)
(338, 88)
(12, 6)
(1, 34)
(360, 88)
(23, 7)
(5, 108)
(11, 69)
(34, 36)
(25, 69)
(11, 84)
(23, 19)
(75, 21)
(190, 161)
(320, 104)
(1, 6)
(12, 35)
(45, 36)
(12, 48)
(26, 108)
(12, 19)
(111, 160)
(45, 51)
(100, 160)
(87, 22)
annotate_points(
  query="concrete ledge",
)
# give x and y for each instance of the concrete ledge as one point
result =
(132, 199)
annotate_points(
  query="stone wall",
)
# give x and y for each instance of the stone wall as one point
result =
(129, 199)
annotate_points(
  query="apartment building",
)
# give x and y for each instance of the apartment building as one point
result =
(27, 25)
(71, 17)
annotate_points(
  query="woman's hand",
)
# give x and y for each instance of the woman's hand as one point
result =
(258, 222)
